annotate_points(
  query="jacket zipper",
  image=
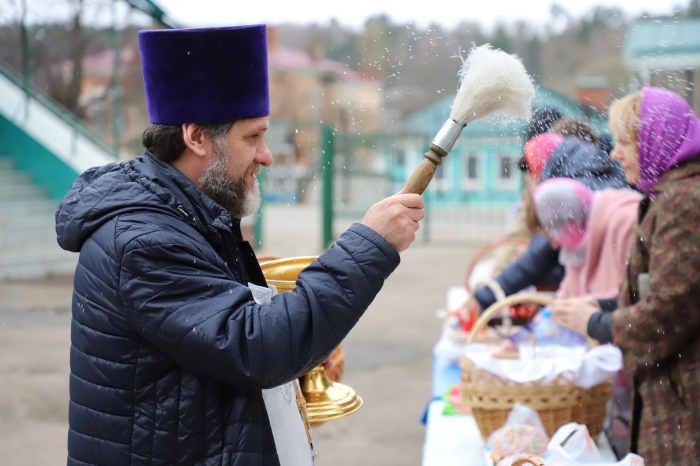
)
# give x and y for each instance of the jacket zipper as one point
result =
(182, 210)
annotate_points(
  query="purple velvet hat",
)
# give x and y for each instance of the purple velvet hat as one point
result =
(209, 75)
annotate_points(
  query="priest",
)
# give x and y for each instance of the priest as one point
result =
(180, 353)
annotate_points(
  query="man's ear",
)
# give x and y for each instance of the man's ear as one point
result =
(194, 138)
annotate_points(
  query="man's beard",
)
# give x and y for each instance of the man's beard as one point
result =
(231, 194)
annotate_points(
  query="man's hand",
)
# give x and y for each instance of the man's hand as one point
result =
(574, 313)
(396, 219)
(328, 364)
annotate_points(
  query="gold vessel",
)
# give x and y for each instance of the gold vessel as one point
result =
(326, 399)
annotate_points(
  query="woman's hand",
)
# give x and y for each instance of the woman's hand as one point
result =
(472, 306)
(574, 313)
(469, 313)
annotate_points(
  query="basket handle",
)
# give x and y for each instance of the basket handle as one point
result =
(481, 322)
(527, 460)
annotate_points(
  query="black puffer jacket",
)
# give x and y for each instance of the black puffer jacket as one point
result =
(169, 351)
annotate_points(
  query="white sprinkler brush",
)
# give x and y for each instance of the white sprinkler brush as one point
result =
(491, 83)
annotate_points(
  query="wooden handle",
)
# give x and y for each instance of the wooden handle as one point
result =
(539, 298)
(509, 301)
(422, 175)
(527, 460)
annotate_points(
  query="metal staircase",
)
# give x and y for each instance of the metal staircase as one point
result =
(27, 234)
(43, 148)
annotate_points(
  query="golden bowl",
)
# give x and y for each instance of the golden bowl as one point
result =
(283, 273)
(325, 398)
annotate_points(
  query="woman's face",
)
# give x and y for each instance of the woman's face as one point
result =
(625, 152)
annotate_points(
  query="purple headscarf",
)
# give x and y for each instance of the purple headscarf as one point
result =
(669, 133)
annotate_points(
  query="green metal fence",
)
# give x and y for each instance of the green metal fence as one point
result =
(361, 169)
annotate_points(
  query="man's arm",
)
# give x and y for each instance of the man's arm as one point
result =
(195, 313)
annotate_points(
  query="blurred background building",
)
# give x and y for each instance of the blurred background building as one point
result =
(353, 110)
(665, 53)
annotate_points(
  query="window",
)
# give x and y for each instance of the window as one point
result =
(441, 179)
(505, 168)
(472, 167)
(506, 171)
(472, 173)
(440, 171)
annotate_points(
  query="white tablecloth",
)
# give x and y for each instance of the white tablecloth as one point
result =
(451, 440)
(456, 440)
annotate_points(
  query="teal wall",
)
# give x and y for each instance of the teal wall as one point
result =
(45, 168)
(489, 189)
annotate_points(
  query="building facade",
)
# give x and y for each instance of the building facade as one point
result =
(482, 169)
(665, 53)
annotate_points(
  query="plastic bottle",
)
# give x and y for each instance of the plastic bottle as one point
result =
(572, 339)
(546, 331)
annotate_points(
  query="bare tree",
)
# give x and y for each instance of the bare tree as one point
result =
(67, 87)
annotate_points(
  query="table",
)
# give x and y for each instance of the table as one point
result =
(456, 440)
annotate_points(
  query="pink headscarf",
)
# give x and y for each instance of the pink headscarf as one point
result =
(539, 149)
(562, 206)
(669, 133)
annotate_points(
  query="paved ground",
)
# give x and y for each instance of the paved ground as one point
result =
(388, 356)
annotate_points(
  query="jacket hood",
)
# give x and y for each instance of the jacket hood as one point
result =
(144, 184)
(585, 163)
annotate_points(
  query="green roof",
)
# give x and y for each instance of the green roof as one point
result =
(430, 119)
(662, 37)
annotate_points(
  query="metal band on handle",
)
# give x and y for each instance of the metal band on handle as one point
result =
(447, 136)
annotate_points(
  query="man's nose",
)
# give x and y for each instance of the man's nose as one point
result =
(263, 155)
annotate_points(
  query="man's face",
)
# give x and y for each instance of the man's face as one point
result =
(229, 177)
(247, 149)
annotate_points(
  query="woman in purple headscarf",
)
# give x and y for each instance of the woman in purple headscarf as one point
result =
(657, 322)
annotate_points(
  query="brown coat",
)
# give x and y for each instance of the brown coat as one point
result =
(660, 334)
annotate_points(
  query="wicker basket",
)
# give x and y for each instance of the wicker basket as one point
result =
(492, 398)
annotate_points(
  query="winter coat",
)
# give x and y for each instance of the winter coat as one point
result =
(169, 351)
(659, 334)
(610, 234)
(585, 163)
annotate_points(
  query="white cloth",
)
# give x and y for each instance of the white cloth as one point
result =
(589, 368)
(288, 430)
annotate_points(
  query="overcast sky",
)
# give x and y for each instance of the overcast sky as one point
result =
(351, 13)
(355, 12)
